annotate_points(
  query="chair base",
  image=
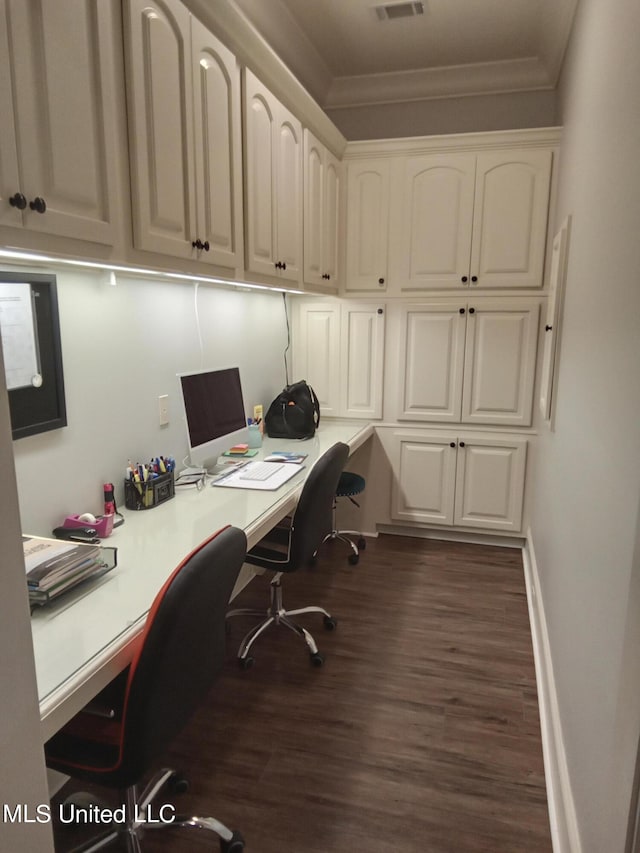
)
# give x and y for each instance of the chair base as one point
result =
(140, 816)
(277, 615)
(354, 556)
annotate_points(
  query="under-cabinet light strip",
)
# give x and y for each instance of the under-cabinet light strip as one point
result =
(14, 255)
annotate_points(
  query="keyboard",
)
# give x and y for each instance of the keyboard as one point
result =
(260, 471)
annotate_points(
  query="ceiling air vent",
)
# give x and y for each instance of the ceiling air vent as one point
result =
(392, 11)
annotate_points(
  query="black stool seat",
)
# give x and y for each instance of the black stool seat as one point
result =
(349, 485)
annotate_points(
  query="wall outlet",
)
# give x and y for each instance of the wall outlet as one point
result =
(163, 409)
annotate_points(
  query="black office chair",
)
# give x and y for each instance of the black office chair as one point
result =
(349, 485)
(180, 653)
(298, 542)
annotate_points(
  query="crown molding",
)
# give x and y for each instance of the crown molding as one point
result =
(484, 78)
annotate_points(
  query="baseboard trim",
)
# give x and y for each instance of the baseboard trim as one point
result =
(562, 816)
(457, 535)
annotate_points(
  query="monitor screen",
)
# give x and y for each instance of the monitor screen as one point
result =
(214, 413)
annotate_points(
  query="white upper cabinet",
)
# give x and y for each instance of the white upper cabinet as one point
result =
(368, 200)
(57, 99)
(339, 349)
(273, 173)
(510, 218)
(468, 362)
(218, 148)
(466, 220)
(183, 91)
(321, 215)
(434, 234)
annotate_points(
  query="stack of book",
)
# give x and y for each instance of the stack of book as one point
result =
(54, 566)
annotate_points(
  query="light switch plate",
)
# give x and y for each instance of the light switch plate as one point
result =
(163, 409)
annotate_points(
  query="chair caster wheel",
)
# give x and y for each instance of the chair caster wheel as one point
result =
(178, 784)
(79, 800)
(362, 543)
(235, 845)
(245, 663)
(330, 623)
(353, 559)
(317, 659)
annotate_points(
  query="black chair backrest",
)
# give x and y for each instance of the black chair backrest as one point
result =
(182, 650)
(312, 517)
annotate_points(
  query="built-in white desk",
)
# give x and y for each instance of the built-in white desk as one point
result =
(86, 638)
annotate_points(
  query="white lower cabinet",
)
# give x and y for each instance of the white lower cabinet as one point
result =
(458, 479)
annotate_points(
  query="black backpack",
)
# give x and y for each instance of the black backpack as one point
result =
(295, 412)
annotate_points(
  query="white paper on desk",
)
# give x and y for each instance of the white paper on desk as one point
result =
(277, 479)
(19, 345)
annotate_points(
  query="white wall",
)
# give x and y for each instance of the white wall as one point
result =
(587, 477)
(447, 115)
(122, 347)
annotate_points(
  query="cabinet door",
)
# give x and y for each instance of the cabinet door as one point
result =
(490, 482)
(423, 486)
(321, 201)
(288, 199)
(316, 352)
(218, 147)
(362, 360)
(260, 177)
(9, 173)
(63, 102)
(159, 90)
(331, 220)
(314, 173)
(500, 362)
(434, 242)
(510, 218)
(367, 225)
(431, 362)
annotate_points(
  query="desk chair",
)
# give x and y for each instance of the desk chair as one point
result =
(298, 542)
(349, 485)
(179, 655)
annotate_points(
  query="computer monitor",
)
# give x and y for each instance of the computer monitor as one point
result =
(214, 414)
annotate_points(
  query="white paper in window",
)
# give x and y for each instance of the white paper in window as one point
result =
(19, 344)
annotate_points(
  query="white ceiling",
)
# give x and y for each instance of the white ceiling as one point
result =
(345, 56)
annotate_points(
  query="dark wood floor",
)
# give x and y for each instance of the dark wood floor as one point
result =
(420, 733)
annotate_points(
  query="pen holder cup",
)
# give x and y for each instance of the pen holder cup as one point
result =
(149, 494)
(255, 436)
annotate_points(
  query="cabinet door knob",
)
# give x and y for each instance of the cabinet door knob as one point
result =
(38, 204)
(461, 444)
(278, 265)
(284, 266)
(380, 281)
(380, 311)
(206, 246)
(197, 244)
(548, 328)
(18, 200)
(464, 279)
(472, 310)
(474, 279)
(462, 310)
(452, 444)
